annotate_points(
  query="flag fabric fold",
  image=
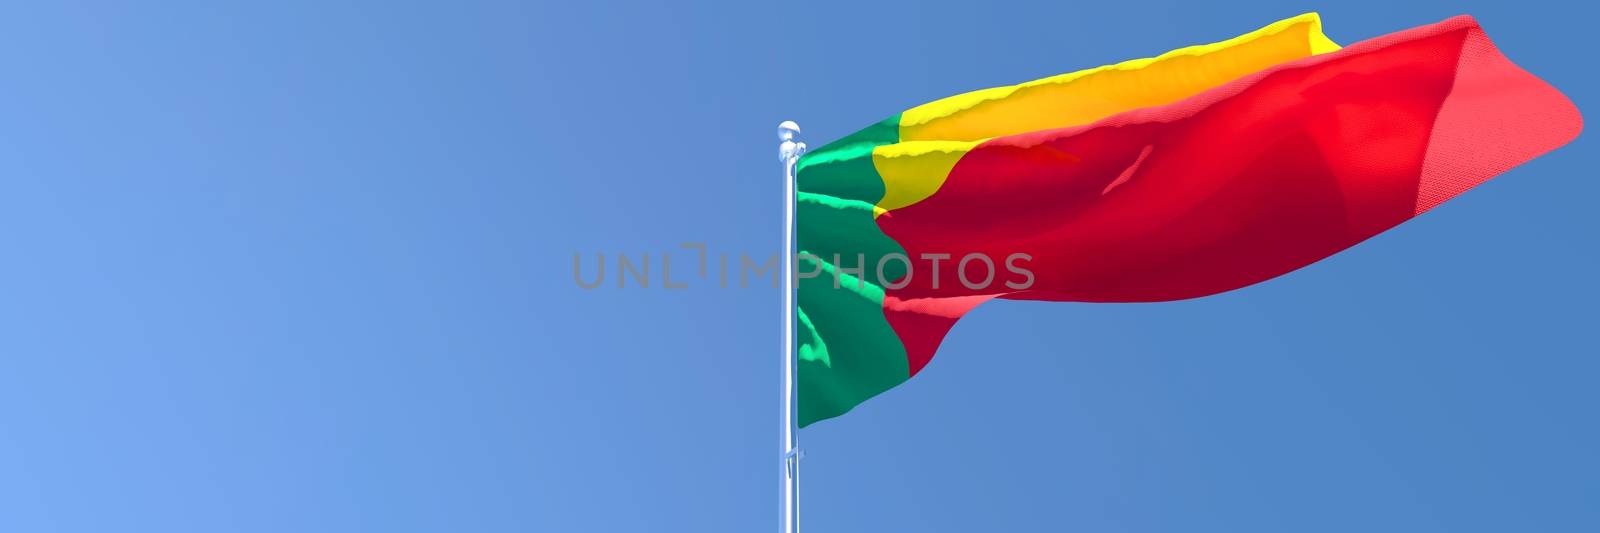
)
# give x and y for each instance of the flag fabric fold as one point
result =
(1199, 171)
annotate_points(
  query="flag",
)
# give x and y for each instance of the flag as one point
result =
(1199, 171)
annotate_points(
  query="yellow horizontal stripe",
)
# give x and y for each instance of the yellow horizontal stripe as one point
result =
(1088, 95)
(935, 135)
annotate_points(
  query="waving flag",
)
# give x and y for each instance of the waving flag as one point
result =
(1199, 171)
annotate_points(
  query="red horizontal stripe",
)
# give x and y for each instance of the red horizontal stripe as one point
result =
(1233, 186)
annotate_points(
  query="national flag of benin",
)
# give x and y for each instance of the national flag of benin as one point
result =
(1199, 171)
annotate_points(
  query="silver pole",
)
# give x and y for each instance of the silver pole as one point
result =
(789, 151)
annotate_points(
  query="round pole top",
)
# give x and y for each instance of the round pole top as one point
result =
(787, 130)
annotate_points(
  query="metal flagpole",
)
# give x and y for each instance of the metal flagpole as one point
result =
(789, 151)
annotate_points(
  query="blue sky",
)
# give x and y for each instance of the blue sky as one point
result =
(304, 266)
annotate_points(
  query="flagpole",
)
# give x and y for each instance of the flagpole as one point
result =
(789, 151)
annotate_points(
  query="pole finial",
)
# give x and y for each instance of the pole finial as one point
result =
(790, 148)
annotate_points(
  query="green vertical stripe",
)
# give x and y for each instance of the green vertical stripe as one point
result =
(847, 352)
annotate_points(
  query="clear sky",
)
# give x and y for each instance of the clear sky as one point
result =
(307, 266)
